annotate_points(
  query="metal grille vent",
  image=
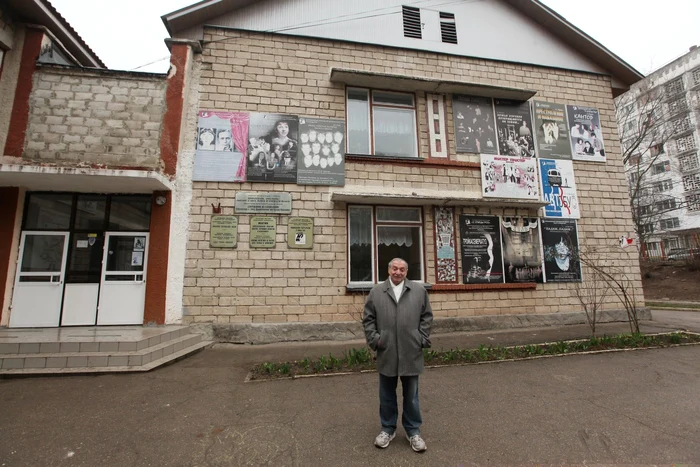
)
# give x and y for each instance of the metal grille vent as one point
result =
(448, 28)
(411, 22)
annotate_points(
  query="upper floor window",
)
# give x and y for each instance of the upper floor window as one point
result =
(661, 167)
(682, 124)
(696, 76)
(381, 123)
(656, 149)
(689, 162)
(679, 105)
(693, 202)
(691, 182)
(685, 143)
(665, 205)
(665, 185)
(673, 223)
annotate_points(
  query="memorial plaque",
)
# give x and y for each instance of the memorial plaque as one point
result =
(223, 232)
(300, 232)
(262, 232)
(261, 203)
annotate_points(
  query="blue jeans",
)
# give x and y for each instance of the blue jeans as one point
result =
(388, 406)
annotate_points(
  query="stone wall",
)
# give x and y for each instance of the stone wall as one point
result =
(245, 71)
(95, 118)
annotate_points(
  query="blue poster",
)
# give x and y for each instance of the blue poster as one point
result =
(559, 189)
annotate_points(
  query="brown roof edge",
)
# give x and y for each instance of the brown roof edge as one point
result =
(77, 37)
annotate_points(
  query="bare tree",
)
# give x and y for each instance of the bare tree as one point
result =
(645, 126)
(591, 293)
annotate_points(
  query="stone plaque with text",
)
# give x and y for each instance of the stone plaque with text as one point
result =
(223, 232)
(262, 203)
(262, 232)
(300, 232)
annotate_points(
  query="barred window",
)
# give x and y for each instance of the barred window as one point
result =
(682, 124)
(678, 105)
(674, 87)
(693, 202)
(691, 182)
(689, 162)
(685, 143)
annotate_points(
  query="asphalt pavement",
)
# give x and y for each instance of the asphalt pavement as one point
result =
(622, 408)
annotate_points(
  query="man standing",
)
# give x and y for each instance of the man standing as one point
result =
(397, 320)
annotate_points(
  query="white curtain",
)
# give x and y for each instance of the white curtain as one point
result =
(395, 236)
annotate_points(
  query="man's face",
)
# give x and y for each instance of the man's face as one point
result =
(397, 271)
(224, 138)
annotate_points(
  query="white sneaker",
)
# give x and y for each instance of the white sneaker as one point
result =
(383, 439)
(417, 443)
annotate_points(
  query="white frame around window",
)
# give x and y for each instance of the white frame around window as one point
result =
(375, 227)
(372, 102)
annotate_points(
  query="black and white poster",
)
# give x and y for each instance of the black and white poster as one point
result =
(322, 156)
(514, 128)
(551, 130)
(482, 262)
(522, 260)
(585, 133)
(272, 148)
(474, 124)
(221, 146)
(561, 251)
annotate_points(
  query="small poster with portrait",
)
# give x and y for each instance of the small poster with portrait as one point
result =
(522, 261)
(552, 130)
(561, 250)
(585, 133)
(514, 128)
(474, 124)
(482, 262)
(509, 177)
(220, 147)
(272, 148)
(321, 152)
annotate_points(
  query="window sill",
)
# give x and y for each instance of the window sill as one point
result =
(410, 161)
(365, 288)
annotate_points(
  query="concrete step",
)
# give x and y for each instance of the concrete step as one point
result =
(98, 361)
(53, 345)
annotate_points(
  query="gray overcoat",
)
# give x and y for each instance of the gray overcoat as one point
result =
(402, 329)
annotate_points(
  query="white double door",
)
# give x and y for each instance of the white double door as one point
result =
(43, 298)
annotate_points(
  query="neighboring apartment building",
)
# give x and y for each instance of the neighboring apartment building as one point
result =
(352, 133)
(87, 179)
(668, 202)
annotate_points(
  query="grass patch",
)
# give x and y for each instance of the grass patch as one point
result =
(357, 360)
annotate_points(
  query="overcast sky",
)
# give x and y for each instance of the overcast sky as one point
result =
(128, 34)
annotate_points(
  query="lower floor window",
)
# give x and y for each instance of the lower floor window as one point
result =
(376, 235)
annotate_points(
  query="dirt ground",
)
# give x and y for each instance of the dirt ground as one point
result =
(671, 280)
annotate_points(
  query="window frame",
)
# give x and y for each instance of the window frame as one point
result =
(371, 104)
(375, 235)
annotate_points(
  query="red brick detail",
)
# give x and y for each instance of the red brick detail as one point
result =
(19, 118)
(8, 211)
(433, 163)
(157, 270)
(174, 103)
(481, 287)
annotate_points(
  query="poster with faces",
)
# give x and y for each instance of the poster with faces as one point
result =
(321, 157)
(585, 133)
(522, 259)
(561, 250)
(220, 146)
(509, 177)
(272, 148)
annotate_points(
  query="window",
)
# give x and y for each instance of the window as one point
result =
(633, 177)
(691, 182)
(653, 246)
(696, 76)
(647, 228)
(429, 25)
(376, 235)
(630, 126)
(666, 224)
(693, 202)
(381, 123)
(665, 205)
(644, 210)
(689, 162)
(656, 149)
(674, 87)
(661, 167)
(662, 186)
(678, 105)
(685, 143)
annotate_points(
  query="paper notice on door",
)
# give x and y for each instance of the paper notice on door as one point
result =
(137, 258)
(81, 244)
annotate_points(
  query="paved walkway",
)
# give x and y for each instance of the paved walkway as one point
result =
(626, 408)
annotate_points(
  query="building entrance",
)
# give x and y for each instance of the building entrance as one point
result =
(82, 260)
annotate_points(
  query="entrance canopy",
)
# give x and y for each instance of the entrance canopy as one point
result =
(82, 180)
